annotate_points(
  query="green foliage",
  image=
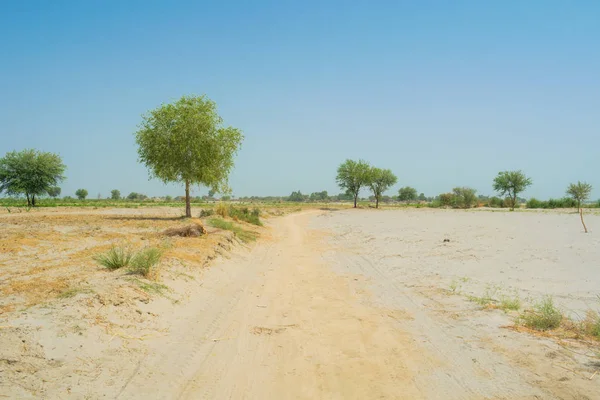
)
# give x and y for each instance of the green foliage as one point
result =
(511, 183)
(551, 203)
(116, 257)
(144, 261)
(579, 192)
(495, 202)
(464, 197)
(31, 173)
(422, 197)
(136, 196)
(244, 214)
(297, 197)
(244, 235)
(380, 180)
(81, 194)
(54, 191)
(446, 199)
(544, 316)
(222, 210)
(206, 212)
(186, 142)
(407, 193)
(510, 303)
(352, 176)
(168, 198)
(319, 196)
(115, 194)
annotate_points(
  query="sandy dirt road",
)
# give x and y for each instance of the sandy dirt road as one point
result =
(301, 317)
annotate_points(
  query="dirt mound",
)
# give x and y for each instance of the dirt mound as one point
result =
(193, 230)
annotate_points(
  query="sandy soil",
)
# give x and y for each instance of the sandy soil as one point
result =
(331, 305)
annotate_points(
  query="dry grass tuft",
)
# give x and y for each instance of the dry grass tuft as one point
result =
(194, 230)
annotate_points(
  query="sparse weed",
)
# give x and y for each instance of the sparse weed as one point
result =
(145, 261)
(487, 299)
(152, 287)
(117, 257)
(510, 303)
(244, 235)
(454, 286)
(543, 316)
(72, 292)
(222, 210)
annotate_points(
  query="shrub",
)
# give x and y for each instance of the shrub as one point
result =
(535, 203)
(222, 210)
(207, 213)
(446, 199)
(495, 202)
(244, 214)
(115, 258)
(193, 230)
(464, 197)
(243, 235)
(544, 316)
(143, 263)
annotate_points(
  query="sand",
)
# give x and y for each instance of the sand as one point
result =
(351, 304)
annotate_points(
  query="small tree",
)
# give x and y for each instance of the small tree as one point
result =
(422, 197)
(54, 192)
(115, 194)
(186, 142)
(380, 180)
(31, 173)
(297, 197)
(407, 193)
(81, 194)
(580, 192)
(511, 183)
(464, 197)
(352, 176)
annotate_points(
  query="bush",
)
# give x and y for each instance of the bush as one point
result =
(446, 199)
(535, 203)
(115, 258)
(464, 197)
(244, 214)
(544, 316)
(143, 263)
(207, 213)
(222, 210)
(495, 202)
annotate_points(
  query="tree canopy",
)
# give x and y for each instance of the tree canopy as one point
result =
(511, 183)
(186, 142)
(54, 191)
(580, 192)
(407, 193)
(352, 176)
(81, 194)
(115, 194)
(31, 173)
(379, 181)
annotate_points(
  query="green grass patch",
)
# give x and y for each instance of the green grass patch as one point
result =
(543, 316)
(510, 303)
(152, 287)
(117, 257)
(242, 234)
(145, 261)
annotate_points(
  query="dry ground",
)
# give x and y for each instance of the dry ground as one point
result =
(347, 304)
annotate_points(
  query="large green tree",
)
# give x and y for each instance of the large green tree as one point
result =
(54, 191)
(511, 183)
(407, 193)
(81, 194)
(31, 173)
(380, 180)
(352, 176)
(115, 194)
(186, 142)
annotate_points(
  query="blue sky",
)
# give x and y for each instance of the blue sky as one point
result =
(443, 93)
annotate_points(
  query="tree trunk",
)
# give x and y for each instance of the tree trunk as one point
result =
(33, 200)
(583, 223)
(188, 207)
(514, 202)
(376, 202)
(355, 198)
(28, 200)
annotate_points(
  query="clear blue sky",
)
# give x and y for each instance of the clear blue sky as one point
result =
(444, 93)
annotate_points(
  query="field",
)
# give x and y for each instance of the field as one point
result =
(326, 303)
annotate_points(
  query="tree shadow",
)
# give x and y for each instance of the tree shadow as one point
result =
(145, 218)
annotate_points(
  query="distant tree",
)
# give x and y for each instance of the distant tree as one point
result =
(464, 197)
(136, 196)
(54, 191)
(422, 197)
(580, 192)
(352, 176)
(407, 193)
(225, 198)
(81, 194)
(447, 199)
(511, 183)
(344, 197)
(211, 193)
(297, 197)
(31, 173)
(379, 181)
(115, 194)
(319, 196)
(168, 198)
(186, 142)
